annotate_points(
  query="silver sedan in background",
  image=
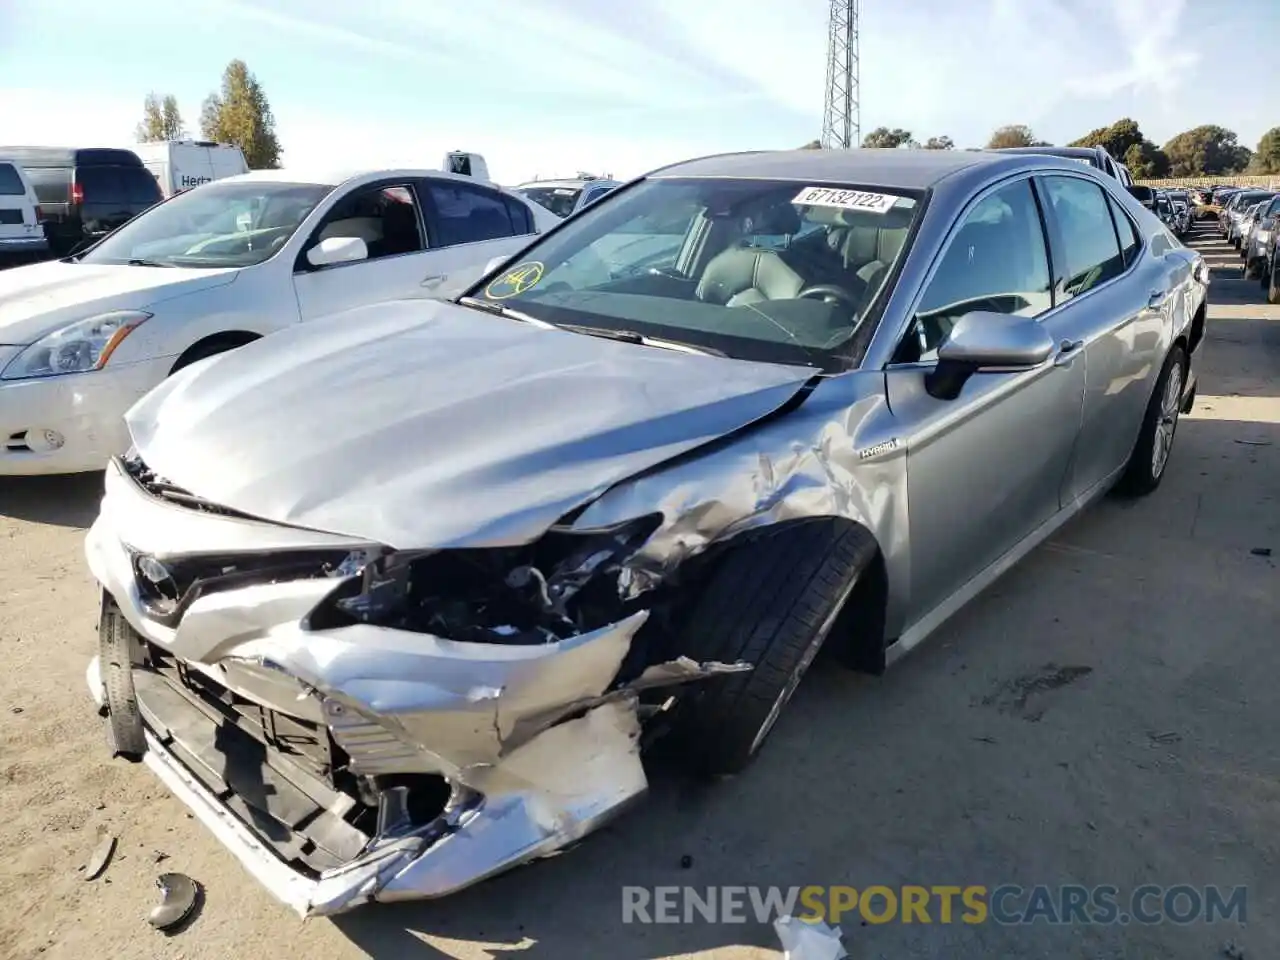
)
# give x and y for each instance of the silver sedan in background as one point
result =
(393, 601)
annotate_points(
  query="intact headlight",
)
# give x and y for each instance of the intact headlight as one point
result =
(76, 348)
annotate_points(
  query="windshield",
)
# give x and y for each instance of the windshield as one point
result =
(230, 224)
(780, 271)
(559, 200)
(1245, 200)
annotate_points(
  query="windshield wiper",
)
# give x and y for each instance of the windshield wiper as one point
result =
(488, 306)
(631, 336)
(140, 262)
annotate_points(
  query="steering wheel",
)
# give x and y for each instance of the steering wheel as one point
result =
(829, 293)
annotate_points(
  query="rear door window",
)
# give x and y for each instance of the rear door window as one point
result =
(462, 213)
(11, 184)
(1086, 252)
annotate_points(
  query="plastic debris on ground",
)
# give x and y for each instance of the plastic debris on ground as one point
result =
(809, 940)
(179, 896)
(100, 857)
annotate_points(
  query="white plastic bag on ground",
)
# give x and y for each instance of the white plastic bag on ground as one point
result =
(809, 940)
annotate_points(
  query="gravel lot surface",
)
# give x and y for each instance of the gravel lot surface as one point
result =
(969, 763)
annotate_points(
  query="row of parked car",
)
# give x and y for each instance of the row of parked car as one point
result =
(1249, 219)
(56, 200)
(432, 509)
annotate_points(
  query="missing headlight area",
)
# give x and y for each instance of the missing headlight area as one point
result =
(565, 584)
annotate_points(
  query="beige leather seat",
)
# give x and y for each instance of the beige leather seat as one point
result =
(875, 251)
(745, 275)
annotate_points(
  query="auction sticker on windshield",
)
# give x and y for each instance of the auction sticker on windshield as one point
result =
(519, 279)
(845, 199)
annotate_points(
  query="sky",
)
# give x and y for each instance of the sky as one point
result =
(551, 87)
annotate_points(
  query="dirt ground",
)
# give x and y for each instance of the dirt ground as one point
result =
(964, 765)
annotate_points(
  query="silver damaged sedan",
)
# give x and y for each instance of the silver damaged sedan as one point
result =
(396, 601)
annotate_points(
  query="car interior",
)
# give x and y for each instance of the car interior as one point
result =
(386, 219)
(798, 275)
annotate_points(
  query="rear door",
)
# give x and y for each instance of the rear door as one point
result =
(192, 166)
(105, 204)
(468, 225)
(388, 218)
(1113, 296)
(141, 189)
(226, 162)
(17, 208)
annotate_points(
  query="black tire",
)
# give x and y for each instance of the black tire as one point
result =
(771, 602)
(1142, 474)
(125, 735)
(1250, 268)
(1273, 282)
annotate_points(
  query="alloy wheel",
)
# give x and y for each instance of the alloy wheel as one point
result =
(1167, 425)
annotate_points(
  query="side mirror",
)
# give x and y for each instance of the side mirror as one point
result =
(985, 341)
(1144, 195)
(337, 250)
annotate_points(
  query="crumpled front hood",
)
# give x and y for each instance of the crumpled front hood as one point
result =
(37, 299)
(423, 424)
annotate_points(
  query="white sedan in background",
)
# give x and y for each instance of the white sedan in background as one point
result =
(213, 268)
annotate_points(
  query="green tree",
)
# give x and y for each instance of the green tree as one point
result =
(884, 137)
(812, 145)
(241, 115)
(1116, 139)
(161, 119)
(939, 143)
(1206, 150)
(1266, 159)
(1014, 135)
(1146, 161)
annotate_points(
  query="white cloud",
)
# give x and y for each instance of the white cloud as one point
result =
(725, 72)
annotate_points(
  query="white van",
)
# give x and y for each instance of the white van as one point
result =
(22, 235)
(180, 165)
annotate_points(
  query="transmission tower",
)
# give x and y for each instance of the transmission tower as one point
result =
(841, 122)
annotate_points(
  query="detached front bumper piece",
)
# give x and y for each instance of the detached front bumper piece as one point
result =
(352, 763)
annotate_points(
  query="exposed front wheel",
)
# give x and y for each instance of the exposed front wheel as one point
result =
(770, 602)
(1273, 282)
(1150, 456)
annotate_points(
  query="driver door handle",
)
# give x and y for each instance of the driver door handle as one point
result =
(434, 280)
(1067, 351)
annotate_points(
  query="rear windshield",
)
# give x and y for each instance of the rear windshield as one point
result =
(11, 184)
(132, 186)
(559, 200)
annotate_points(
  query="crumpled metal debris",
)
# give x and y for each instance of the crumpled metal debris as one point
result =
(809, 940)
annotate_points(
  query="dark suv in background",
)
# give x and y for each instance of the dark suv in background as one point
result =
(84, 194)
